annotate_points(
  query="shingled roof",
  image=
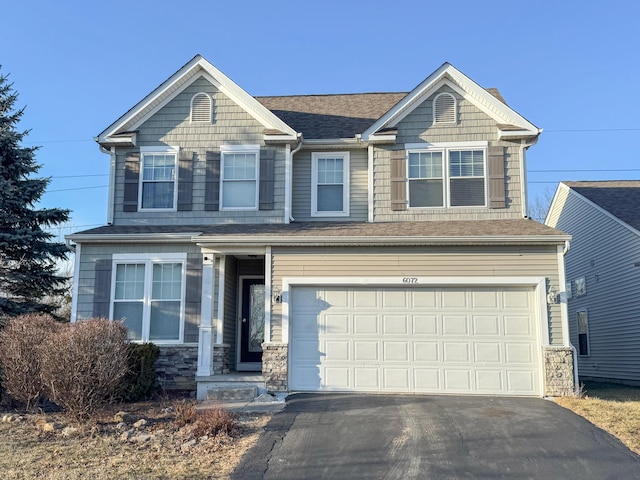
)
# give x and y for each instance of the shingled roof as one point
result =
(621, 198)
(339, 232)
(331, 116)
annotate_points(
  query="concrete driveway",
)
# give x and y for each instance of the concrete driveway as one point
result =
(354, 436)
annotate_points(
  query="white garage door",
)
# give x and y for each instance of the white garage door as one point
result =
(428, 340)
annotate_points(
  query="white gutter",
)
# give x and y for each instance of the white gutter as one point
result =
(356, 141)
(134, 237)
(288, 179)
(312, 240)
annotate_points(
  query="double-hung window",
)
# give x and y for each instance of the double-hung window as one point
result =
(158, 190)
(239, 180)
(147, 293)
(447, 175)
(330, 184)
(583, 333)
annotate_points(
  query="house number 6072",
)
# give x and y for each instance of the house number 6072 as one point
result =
(409, 280)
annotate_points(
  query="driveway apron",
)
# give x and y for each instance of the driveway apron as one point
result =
(358, 436)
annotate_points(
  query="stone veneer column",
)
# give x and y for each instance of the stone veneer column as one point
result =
(176, 367)
(558, 369)
(220, 363)
(274, 366)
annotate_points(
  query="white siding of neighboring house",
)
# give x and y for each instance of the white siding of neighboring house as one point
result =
(604, 251)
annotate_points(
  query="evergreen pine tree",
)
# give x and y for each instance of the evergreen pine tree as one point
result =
(28, 254)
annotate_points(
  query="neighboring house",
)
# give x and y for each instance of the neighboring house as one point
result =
(366, 242)
(602, 274)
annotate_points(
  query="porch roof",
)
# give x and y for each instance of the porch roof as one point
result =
(335, 233)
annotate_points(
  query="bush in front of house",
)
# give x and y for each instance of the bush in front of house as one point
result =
(140, 381)
(21, 339)
(83, 364)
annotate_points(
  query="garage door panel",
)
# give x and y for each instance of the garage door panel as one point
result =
(427, 380)
(396, 379)
(394, 324)
(337, 350)
(457, 380)
(454, 298)
(425, 352)
(455, 325)
(395, 352)
(487, 352)
(404, 339)
(365, 324)
(519, 353)
(488, 381)
(517, 325)
(456, 352)
(367, 379)
(425, 324)
(366, 351)
(486, 325)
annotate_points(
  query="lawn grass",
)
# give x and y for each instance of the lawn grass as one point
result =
(614, 408)
(97, 451)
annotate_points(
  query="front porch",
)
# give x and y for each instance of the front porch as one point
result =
(235, 321)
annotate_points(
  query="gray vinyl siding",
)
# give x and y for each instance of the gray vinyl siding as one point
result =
(171, 126)
(604, 251)
(418, 127)
(90, 254)
(537, 261)
(358, 187)
(230, 308)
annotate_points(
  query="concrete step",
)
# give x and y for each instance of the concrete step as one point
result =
(232, 394)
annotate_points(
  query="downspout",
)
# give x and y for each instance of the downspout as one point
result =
(112, 174)
(523, 172)
(565, 313)
(289, 181)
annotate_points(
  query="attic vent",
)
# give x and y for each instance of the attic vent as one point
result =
(444, 108)
(201, 108)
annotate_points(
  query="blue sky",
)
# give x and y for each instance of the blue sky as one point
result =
(571, 68)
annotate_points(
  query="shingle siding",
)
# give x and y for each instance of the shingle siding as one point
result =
(418, 127)
(171, 126)
(605, 252)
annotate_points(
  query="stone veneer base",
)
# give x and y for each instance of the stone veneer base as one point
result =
(176, 367)
(558, 371)
(275, 366)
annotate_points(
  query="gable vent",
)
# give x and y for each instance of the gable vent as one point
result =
(444, 108)
(201, 108)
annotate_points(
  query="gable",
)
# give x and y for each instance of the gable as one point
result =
(515, 125)
(195, 69)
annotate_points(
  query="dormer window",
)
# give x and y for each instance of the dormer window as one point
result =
(201, 108)
(444, 108)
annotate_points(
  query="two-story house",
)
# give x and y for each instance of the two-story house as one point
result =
(366, 242)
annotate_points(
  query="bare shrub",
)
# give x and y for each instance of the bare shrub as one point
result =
(20, 361)
(185, 412)
(83, 365)
(214, 421)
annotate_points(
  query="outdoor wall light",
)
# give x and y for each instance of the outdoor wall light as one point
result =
(552, 296)
(276, 294)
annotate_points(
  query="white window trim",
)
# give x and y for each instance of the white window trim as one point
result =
(346, 176)
(148, 260)
(446, 148)
(578, 334)
(455, 109)
(209, 120)
(225, 149)
(163, 150)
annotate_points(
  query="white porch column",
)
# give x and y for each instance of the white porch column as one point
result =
(207, 329)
